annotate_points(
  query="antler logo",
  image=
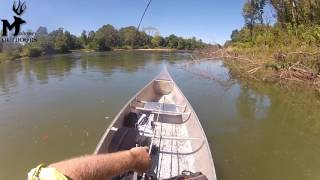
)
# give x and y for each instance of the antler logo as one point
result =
(18, 9)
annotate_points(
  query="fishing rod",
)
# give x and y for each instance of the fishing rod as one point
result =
(143, 14)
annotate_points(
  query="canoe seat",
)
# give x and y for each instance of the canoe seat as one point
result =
(178, 106)
(161, 108)
(156, 106)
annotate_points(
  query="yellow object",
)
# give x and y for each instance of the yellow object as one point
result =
(42, 172)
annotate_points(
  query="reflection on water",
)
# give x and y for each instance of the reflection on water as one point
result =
(251, 105)
(54, 107)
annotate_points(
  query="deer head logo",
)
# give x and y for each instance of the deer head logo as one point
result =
(18, 9)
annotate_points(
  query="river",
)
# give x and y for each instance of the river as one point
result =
(57, 107)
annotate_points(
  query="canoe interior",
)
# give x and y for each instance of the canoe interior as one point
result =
(176, 132)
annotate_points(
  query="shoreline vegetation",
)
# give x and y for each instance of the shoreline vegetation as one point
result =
(261, 67)
(286, 51)
(138, 49)
(106, 38)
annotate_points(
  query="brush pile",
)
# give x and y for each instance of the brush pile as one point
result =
(297, 67)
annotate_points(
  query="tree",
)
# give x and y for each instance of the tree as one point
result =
(105, 38)
(293, 11)
(44, 43)
(144, 40)
(60, 44)
(192, 43)
(62, 40)
(84, 38)
(70, 40)
(249, 13)
(91, 35)
(129, 36)
(253, 13)
(33, 51)
(157, 41)
(234, 35)
(41, 31)
(172, 41)
(181, 44)
(260, 6)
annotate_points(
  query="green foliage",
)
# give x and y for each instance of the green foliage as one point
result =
(11, 51)
(33, 51)
(131, 37)
(252, 13)
(57, 41)
(234, 35)
(108, 37)
(60, 44)
(43, 43)
(172, 41)
(297, 12)
(144, 40)
(14, 54)
(288, 41)
(105, 38)
(181, 44)
(157, 41)
(297, 24)
(275, 36)
(83, 39)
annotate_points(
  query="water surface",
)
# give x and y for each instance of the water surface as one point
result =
(56, 107)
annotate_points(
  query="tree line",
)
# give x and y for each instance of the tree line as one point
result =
(287, 41)
(104, 39)
(297, 23)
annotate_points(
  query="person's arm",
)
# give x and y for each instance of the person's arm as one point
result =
(104, 166)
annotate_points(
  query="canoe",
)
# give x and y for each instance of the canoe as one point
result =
(160, 116)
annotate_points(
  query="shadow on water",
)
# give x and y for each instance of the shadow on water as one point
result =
(56, 107)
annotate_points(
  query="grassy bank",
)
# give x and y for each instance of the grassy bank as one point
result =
(282, 48)
(10, 57)
(153, 49)
(299, 66)
(3, 57)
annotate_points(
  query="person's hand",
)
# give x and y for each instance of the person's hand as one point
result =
(141, 158)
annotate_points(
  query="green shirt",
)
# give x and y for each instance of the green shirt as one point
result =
(43, 172)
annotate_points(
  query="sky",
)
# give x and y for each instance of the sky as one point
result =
(209, 20)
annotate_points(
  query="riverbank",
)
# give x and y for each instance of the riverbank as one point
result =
(139, 49)
(295, 66)
(155, 49)
(7, 57)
